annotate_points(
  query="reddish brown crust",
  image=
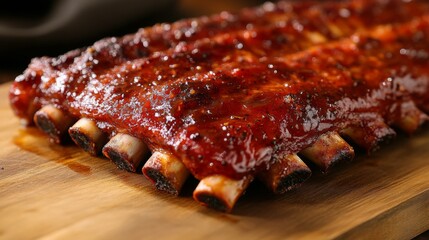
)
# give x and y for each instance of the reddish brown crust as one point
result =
(329, 18)
(230, 110)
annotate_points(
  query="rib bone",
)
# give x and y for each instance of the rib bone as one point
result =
(369, 137)
(220, 192)
(53, 122)
(166, 171)
(88, 136)
(328, 150)
(285, 174)
(126, 151)
(411, 118)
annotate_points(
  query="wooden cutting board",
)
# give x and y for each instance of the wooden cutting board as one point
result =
(60, 192)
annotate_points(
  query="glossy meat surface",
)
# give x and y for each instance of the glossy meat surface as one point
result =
(231, 93)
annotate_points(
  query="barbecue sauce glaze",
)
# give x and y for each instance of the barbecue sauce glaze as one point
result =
(231, 94)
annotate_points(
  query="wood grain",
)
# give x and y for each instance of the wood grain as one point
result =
(59, 192)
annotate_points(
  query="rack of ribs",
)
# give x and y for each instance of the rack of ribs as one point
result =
(232, 98)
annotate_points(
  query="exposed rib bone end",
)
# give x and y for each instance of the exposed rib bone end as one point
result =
(328, 150)
(412, 121)
(220, 192)
(287, 173)
(166, 172)
(371, 137)
(88, 136)
(53, 122)
(126, 151)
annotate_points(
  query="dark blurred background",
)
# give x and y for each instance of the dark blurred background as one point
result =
(51, 27)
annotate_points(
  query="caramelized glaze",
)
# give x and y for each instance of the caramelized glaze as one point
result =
(230, 93)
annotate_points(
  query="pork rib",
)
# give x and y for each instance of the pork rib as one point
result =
(235, 95)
